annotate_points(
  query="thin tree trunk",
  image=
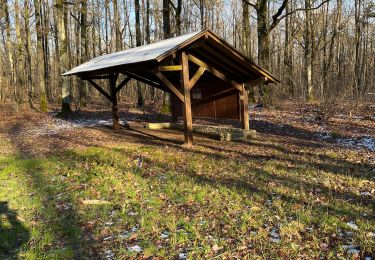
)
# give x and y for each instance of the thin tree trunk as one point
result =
(117, 25)
(19, 55)
(84, 53)
(138, 38)
(40, 57)
(64, 57)
(167, 34)
(29, 77)
(308, 51)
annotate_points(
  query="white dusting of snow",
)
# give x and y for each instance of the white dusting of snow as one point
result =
(57, 125)
(364, 142)
(135, 248)
(134, 55)
(164, 235)
(182, 255)
(275, 236)
(108, 238)
(352, 225)
(127, 234)
(109, 254)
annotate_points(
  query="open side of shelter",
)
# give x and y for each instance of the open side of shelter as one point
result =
(206, 76)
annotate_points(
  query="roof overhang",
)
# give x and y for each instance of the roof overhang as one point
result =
(206, 45)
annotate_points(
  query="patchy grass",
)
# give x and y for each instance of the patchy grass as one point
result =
(174, 201)
(136, 193)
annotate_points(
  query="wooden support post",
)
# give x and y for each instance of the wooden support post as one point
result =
(244, 103)
(185, 82)
(113, 90)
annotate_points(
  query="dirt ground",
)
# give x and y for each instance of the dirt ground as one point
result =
(33, 133)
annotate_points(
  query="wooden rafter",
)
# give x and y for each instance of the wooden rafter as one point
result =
(168, 68)
(102, 91)
(215, 72)
(196, 77)
(145, 80)
(257, 81)
(169, 85)
(96, 77)
(123, 83)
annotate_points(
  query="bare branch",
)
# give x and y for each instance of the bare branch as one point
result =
(275, 17)
(304, 9)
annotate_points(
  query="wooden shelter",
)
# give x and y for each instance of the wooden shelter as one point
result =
(206, 76)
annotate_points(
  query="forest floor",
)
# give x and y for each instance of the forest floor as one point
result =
(76, 189)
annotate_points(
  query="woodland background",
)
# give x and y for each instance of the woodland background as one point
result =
(322, 51)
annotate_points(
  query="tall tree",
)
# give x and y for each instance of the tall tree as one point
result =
(27, 42)
(40, 56)
(167, 34)
(288, 59)
(308, 51)
(84, 52)
(166, 19)
(138, 38)
(246, 37)
(64, 56)
(19, 54)
(116, 17)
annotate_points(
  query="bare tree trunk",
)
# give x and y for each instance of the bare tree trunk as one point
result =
(117, 25)
(288, 60)
(307, 51)
(84, 53)
(106, 25)
(263, 46)
(138, 38)
(9, 50)
(178, 16)
(64, 57)
(357, 62)
(246, 34)
(40, 57)
(30, 84)
(148, 41)
(167, 34)
(45, 25)
(19, 56)
(201, 9)
(166, 19)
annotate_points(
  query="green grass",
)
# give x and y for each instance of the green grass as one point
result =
(207, 203)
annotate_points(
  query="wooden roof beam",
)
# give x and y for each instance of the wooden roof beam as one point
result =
(146, 81)
(169, 85)
(196, 77)
(215, 72)
(257, 81)
(168, 68)
(123, 83)
(102, 91)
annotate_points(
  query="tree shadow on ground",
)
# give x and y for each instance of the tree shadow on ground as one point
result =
(13, 233)
(55, 213)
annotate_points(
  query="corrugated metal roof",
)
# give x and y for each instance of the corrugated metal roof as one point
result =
(135, 55)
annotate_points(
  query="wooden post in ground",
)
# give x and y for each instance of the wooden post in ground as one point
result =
(244, 102)
(185, 82)
(115, 117)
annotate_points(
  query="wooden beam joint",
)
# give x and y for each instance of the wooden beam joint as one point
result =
(169, 85)
(215, 72)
